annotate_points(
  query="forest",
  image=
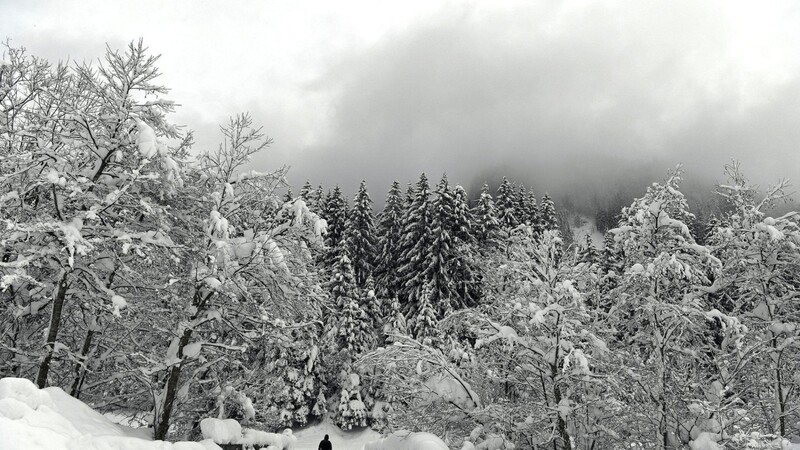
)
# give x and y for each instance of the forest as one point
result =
(150, 278)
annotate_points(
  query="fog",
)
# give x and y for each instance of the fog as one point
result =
(579, 98)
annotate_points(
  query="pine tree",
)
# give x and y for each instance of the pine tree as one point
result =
(361, 235)
(415, 245)
(486, 223)
(389, 231)
(505, 204)
(288, 197)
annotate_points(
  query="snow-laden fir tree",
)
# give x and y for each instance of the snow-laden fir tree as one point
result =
(506, 205)
(462, 220)
(415, 246)
(530, 212)
(360, 235)
(389, 232)
(307, 194)
(335, 214)
(356, 331)
(342, 285)
(486, 223)
(548, 220)
(423, 326)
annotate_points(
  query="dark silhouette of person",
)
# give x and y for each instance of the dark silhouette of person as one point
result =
(325, 444)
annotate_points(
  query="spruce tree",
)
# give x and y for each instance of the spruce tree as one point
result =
(505, 203)
(389, 231)
(414, 245)
(360, 235)
(462, 219)
(335, 214)
(438, 271)
(547, 214)
(486, 222)
(423, 326)
(342, 285)
(307, 194)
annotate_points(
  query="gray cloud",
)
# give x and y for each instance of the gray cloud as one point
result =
(566, 100)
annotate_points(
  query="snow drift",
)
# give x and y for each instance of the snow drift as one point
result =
(32, 418)
(406, 440)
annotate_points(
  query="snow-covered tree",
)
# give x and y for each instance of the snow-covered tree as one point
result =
(85, 171)
(759, 284)
(415, 245)
(548, 220)
(662, 314)
(389, 232)
(334, 211)
(486, 223)
(360, 235)
(506, 204)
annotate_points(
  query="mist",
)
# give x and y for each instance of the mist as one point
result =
(578, 102)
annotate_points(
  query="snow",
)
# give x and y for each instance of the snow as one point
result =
(705, 441)
(221, 431)
(406, 440)
(192, 350)
(146, 140)
(308, 438)
(119, 304)
(50, 418)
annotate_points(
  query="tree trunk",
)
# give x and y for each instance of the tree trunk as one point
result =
(52, 334)
(172, 388)
(80, 368)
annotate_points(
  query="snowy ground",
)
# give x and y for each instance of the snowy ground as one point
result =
(32, 418)
(308, 438)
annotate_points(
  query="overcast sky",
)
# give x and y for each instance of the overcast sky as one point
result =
(562, 94)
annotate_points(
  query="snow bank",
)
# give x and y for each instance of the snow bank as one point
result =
(228, 431)
(49, 418)
(406, 440)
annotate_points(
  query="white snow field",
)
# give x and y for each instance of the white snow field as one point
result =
(33, 418)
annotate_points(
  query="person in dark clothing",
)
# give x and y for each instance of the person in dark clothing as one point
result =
(325, 444)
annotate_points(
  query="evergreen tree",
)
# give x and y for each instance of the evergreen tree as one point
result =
(423, 326)
(547, 214)
(505, 204)
(389, 231)
(342, 285)
(355, 328)
(462, 219)
(361, 235)
(586, 253)
(307, 194)
(531, 212)
(288, 197)
(438, 271)
(335, 214)
(415, 245)
(486, 223)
